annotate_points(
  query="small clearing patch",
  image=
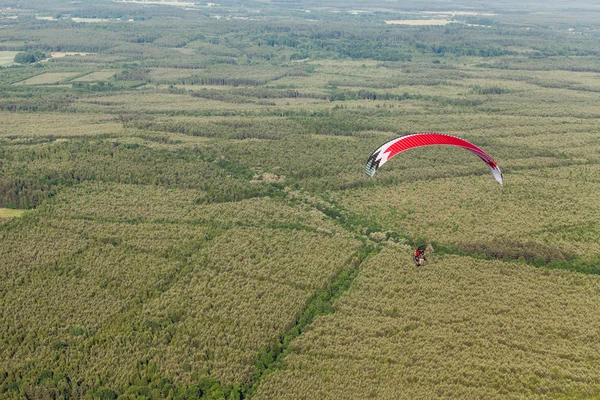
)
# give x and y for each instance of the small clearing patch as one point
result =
(161, 2)
(472, 13)
(10, 213)
(49, 78)
(7, 58)
(95, 76)
(91, 20)
(419, 22)
(60, 54)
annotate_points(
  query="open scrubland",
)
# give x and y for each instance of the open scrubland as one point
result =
(464, 329)
(184, 211)
(191, 291)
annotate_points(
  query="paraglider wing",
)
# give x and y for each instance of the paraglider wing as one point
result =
(398, 145)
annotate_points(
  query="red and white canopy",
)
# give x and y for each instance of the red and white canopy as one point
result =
(398, 145)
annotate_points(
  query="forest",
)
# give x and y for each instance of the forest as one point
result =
(184, 210)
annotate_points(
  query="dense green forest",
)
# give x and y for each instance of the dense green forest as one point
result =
(184, 212)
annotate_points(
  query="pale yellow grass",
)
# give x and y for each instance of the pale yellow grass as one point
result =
(456, 13)
(312, 84)
(58, 125)
(13, 43)
(344, 63)
(352, 70)
(198, 87)
(172, 73)
(48, 78)
(7, 58)
(159, 2)
(91, 20)
(419, 22)
(458, 328)
(10, 213)
(95, 76)
(60, 54)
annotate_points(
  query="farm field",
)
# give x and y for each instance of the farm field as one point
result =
(7, 58)
(199, 224)
(10, 213)
(419, 22)
(48, 78)
(95, 76)
(91, 20)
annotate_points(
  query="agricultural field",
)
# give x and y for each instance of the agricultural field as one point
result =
(95, 76)
(184, 210)
(49, 78)
(7, 58)
(419, 22)
(8, 213)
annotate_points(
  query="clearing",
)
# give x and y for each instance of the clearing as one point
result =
(7, 58)
(419, 22)
(95, 76)
(91, 20)
(49, 78)
(10, 213)
(163, 2)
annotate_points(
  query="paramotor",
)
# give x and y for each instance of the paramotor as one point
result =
(398, 145)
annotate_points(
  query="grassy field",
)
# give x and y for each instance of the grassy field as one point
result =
(417, 22)
(48, 78)
(91, 20)
(10, 213)
(202, 226)
(7, 58)
(95, 76)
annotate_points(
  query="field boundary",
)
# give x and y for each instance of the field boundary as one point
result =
(271, 358)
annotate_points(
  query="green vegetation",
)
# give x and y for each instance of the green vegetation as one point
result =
(462, 329)
(7, 58)
(10, 213)
(30, 57)
(201, 226)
